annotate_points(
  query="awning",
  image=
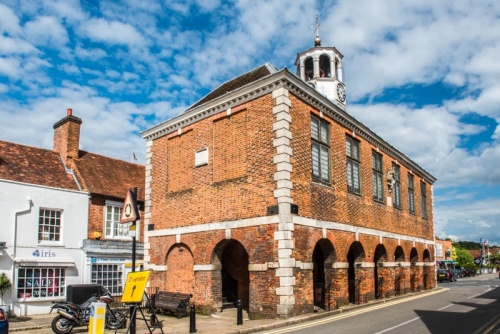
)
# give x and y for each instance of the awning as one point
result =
(45, 263)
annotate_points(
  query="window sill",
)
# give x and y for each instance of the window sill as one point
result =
(117, 238)
(50, 244)
(354, 194)
(323, 184)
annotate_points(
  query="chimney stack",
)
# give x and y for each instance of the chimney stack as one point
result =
(67, 137)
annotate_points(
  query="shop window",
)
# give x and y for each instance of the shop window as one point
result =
(109, 276)
(41, 282)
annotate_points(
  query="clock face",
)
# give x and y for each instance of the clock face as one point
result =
(341, 92)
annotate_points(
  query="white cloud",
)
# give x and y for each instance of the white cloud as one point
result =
(9, 22)
(46, 31)
(112, 32)
(10, 46)
(9, 67)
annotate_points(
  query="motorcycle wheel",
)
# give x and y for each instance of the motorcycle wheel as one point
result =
(61, 325)
(115, 319)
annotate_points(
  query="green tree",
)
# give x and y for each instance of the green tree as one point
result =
(464, 257)
(467, 245)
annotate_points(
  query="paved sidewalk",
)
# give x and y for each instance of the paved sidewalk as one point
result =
(220, 323)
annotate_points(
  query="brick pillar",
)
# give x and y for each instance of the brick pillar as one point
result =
(367, 286)
(207, 282)
(282, 193)
(405, 277)
(339, 289)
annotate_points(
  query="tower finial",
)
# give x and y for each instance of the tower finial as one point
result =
(317, 40)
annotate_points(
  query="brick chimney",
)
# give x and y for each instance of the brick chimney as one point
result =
(67, 136)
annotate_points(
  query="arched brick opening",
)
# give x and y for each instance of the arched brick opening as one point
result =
(399, 256)
(233, 278)
(414, 271)
(180, 273)
(427, 270)
(323, 258)
(355, 257)
(379, 257)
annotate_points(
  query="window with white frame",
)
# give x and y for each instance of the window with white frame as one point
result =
(423, 190)
(320, 150)
(411, 194)
(49, 225)
(41, 282)
(353, 166)
(378, 189)
(113, 227)
(109, 276)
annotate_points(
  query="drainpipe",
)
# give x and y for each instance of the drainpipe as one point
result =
(14, 243)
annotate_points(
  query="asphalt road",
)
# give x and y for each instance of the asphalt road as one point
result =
(469, 306)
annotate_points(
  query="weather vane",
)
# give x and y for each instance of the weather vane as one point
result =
(316, 28)
(317, 40)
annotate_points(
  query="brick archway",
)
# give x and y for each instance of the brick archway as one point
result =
(428, 274)
(180, 273)
(355, 257)
(414, 271)
(379, 272)
(323, 273)
(232, 281)
(399, 273)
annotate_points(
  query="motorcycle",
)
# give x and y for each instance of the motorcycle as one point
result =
(70, 315)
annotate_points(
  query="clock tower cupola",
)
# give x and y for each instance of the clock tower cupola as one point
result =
(321, 68)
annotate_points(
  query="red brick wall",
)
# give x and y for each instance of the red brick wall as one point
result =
(180, 274)
(230, 147)
(215, 195)
(238, 183)
(333, 202)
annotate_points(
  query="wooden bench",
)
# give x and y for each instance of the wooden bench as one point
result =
(173, 302)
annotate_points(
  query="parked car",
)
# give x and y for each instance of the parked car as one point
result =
(4, 322)
(445, 275)
(458, 273)
(469, 273)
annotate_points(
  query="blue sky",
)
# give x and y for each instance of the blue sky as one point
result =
(424, 75)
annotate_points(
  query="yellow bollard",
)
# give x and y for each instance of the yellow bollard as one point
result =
(97, 318)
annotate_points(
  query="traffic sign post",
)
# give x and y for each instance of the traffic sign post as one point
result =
(130, 214)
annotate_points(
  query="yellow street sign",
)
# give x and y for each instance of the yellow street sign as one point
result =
(135, 286)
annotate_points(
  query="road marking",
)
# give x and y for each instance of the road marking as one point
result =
(349, 314)
(442, 308)
(401, 324)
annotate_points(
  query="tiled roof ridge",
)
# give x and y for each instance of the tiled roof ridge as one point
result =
(82, 152)
(232, 84)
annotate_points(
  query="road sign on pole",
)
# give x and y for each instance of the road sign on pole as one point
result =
(130, 212)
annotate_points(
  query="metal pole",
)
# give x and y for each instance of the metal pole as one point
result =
(192, 320)
(132, 313)
(239, 320)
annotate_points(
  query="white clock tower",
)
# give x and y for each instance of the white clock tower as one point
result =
(321, 68)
